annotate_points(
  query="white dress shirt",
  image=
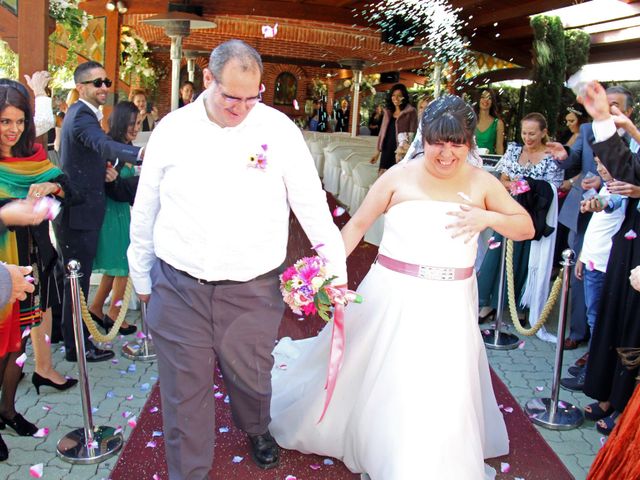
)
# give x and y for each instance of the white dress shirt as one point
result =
(203, 209)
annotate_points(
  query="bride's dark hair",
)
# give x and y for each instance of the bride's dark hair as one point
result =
(449, 119)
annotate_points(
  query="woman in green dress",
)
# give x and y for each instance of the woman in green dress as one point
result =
(490, 129)
(111, 258)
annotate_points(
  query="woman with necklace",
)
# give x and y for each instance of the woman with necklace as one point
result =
(519, 162)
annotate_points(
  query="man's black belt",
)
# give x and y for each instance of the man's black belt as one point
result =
(270, 273)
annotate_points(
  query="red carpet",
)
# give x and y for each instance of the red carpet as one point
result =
(530, 458)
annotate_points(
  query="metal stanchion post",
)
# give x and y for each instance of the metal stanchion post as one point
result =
(143, 349)
(89, 444)
(495, 339)
(552, 413)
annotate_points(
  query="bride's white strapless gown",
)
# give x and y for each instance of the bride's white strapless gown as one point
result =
(414, 398)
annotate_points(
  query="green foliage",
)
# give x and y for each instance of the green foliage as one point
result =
(576, 48)
(549, 69)
(73, 21)
(8, 62)
(135, 59)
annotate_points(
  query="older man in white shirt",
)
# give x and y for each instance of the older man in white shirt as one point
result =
(209, 234)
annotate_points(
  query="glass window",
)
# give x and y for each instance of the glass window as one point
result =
(286, 89)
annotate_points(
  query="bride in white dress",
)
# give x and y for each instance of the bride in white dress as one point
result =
(414, 397)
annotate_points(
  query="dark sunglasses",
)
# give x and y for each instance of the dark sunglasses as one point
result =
(98, 82)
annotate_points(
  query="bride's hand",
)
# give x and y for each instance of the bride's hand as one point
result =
(470, 221)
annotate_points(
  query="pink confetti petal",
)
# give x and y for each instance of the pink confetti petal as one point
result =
(41, 433)
(132, 422)
(218, 395)
(130, 397)
(630, 235)
(315, 466)
(92, 444)
(338, 211)
(295, 104)
(290, 477)
(153, 409)
(118, 430)
(126, 414)
(155, 477)
(151, 444)
(505, 467)
(494, 245)
(36, 471)
(591, 266)
(47, 339)
(539, 389)
(140, 335)
(46, 408)
(521, 345)
(486, 332)
(282, 366)
(26, 332)
(262, 88)
(118, 303)
(602, 441)
(509, 409)
(491, 239)
(21, 359)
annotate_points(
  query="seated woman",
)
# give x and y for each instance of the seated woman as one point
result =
(384, 406)
(148, 114)
(530, 161)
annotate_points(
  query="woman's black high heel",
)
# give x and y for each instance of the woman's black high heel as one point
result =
(39, 381)
(23, 427)
(4, 451)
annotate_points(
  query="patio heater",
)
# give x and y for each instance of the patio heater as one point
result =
(191, 54)
(177, 25)
(356, 65)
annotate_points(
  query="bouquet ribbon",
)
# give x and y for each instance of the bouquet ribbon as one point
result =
(338, 341)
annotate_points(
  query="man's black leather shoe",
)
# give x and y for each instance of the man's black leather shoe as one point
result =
(574, 384)
(93, 355)
(264, 450)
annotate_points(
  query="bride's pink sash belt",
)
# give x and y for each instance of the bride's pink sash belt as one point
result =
(424, 271)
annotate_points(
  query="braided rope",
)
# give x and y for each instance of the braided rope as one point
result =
(117, 323)
(511, 296)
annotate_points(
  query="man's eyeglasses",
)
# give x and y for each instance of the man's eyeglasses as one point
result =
(98, 82)
(231, 101)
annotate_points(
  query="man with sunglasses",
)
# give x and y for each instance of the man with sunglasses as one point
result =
(84, 151)
(209, 234)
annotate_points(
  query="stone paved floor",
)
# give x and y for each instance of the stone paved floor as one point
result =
(522, 370)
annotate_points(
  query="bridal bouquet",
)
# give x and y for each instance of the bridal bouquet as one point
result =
(307, 289)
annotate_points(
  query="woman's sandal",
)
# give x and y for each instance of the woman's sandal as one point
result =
(596, 413)
(606, 425)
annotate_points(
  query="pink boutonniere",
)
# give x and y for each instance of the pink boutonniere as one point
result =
(259, 160)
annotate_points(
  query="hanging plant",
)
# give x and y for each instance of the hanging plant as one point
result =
(135, 61)
(71, 22)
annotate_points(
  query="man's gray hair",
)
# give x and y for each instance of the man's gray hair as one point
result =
(627, 94)
(238, 50)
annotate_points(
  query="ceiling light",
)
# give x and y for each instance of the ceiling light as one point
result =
(111, 5)
(122, 7)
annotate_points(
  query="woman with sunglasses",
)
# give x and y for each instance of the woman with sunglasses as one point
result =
(25, 172)
(111, 258)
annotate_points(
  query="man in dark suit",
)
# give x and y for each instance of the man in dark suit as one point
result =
(84, 150)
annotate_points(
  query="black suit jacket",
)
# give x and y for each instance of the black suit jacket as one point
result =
(615, 155)
(84, 150)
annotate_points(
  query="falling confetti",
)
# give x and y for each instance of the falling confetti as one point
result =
(218, 395)
(140, 335)
(153, 409)
(290, 477)
(223, 429)
(94, 409)
(156, 433)
(36, 470)
(602, 441)
(92, 444)
(118, 430)
(296, 105)
(151, 444)
(129, 397)
(591, 266)
(126, 414)
(21, 359)
(132, 422)
(315, 466)
(269, 32)
(521, 345)
(26, 332)
(155, 477)
(132, 368)
(505, 467)
(226, 399)
(630, 235)
(145, 386)
(464, 196)
(46, 408)
(338, 211)
(494, 245)
(539, 389)
(327, 461)
(47, 339)
(508, 409)
(237, 459)
(115, 361)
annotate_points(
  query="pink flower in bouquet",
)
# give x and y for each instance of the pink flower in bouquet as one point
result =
(519, 186)
(259, 160)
